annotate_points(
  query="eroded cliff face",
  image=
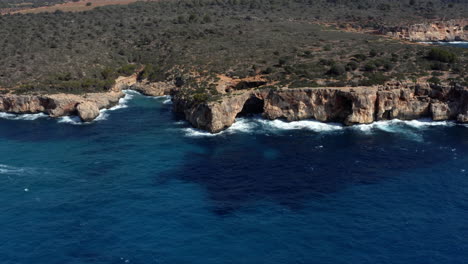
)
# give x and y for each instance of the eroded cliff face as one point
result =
(451, 30)
(153, 88)
(86, 106)
(358, 105)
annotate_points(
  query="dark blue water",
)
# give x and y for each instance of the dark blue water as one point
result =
(140, 186)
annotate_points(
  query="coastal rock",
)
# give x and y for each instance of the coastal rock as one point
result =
(440, 111)
(57, 105)
(357, 105)
(462, 118)
(212, 116)
(451, 30)
(24, 104)
(154, 89)
(87, 111)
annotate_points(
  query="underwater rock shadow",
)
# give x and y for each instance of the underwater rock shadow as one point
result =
(239, 173)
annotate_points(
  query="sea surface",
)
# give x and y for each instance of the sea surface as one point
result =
(140, 185)
(460, 44)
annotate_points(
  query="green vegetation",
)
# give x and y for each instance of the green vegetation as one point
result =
(190, 42)
(442, 55)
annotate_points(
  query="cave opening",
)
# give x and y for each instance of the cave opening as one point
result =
(253, 106)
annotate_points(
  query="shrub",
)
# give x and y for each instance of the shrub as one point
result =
(370, 66)
(441, 55)
(337, 69)
(434, 80)
(127, 70)
(360, 57)
(374, 79)
(351, 66)
(439, 66)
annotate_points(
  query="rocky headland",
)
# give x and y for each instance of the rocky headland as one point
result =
(86, 106)
(357, 105)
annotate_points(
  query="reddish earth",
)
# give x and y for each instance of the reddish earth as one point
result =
(72, 6)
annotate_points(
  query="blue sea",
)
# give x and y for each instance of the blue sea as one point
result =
(459, 44)
(141, 186)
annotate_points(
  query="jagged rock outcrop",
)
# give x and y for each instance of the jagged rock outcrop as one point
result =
(154, 89)
(357, 105)
(451, 30)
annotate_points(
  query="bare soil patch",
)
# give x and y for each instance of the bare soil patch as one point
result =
(71, 6)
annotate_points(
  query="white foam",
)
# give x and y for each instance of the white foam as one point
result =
(425, 123)
(5, 169)
(242, 125)
(397, 125)
(312, 125)
(22, 116)
(73, 120)
(129, 94)
(262, 126)
(193, 132)
(458, 42)
(258, 125)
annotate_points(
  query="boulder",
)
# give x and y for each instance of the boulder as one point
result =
(87, 111)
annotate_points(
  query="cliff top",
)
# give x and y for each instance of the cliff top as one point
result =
(193, 43)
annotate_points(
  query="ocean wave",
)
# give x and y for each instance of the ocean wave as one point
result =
(263, 126)
(242, 125)
(5, 169)
(74, 120)
(259, 125)
(167, 99)
(312, 125)
(22, 116)
(123, 102)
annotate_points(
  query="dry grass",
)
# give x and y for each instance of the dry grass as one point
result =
(76, 6)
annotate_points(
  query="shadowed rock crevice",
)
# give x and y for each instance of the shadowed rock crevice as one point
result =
(253, 106)
(343, 108)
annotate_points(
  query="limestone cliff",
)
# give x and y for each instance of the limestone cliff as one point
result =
(153, 88)
(451, 30)
(358, 105)
(86, 106)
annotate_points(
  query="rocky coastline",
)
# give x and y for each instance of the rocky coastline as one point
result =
(86, 106)
(450, 30)
(356, 105)
(347, 105)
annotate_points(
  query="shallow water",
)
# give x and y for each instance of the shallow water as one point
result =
(141, 186)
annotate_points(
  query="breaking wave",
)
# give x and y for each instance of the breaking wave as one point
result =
(10, 170)
(263, 126)
(74, 120)
(22, 116)
(167, 99)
